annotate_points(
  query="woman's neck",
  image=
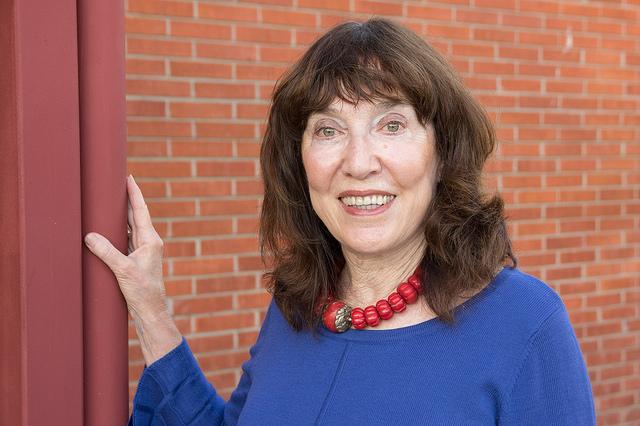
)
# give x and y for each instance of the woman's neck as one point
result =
(368, 278)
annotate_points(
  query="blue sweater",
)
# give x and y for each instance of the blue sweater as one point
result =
(511, 359)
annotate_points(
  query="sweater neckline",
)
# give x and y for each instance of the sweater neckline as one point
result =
(426, 327)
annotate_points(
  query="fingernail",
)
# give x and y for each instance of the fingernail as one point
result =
(90, 239)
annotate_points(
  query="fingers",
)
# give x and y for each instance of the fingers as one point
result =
(105, 251)
(130, 221)
(139, 218)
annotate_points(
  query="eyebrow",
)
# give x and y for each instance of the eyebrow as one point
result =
(379, 106)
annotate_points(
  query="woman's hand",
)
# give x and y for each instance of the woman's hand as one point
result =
(139, 276)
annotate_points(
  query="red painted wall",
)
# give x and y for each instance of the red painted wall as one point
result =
(560, 78)
(40, 216)
(63, 333)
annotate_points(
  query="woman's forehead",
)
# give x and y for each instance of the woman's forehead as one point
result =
(338, 106)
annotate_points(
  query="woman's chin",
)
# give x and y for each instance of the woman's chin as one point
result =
(366, 246)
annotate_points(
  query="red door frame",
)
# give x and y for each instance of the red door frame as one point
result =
(104, 206)
(63, 333)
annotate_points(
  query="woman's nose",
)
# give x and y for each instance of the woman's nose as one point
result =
(360, 159)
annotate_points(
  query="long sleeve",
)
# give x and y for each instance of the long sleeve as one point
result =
(174, 391)
(552, 386)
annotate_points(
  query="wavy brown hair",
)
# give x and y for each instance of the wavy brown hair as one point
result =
(465, 229)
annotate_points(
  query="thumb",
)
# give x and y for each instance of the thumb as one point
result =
(105, 251)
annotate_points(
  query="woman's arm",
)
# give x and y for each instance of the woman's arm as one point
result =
(172, 388)
(552, 385)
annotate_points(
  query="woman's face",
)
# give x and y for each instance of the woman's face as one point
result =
(371, 170)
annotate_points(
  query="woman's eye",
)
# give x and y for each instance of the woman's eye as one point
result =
(327, 132)
(393, 126)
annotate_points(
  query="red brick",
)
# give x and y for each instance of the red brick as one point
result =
(160, 169)
(199, 343)
(202, 266)
(200, 109)
(171, 208)
(431, 13)
(151, 189)
(259, 72)
(247, 339)
(201, 227)
(448, 32)
(159, 47)
(494, 35)
(227, 51)
(502, 4)
(229, 245)
(563, 180)
(230, 283)
(157, 88)
(520, 21)
(145, 26)
(280, 54)
(161, 7)
(215, 90)
(578, 226)
(180, 249)
(519, 118)
(218, 168)
(518, 53)
(200, 188)
(284, 17)
(158, 128)
(575, 288)
(493, 68)
(144, 66)
(263, 35)
(325, 4)
(577, 195)
(225, 130)
(225, 321)
(227, 207)
(228, 13)
(535, 228)
(252, 110)
(145, 108)
(201, 149)
(200, 69)
(199, 30)
(258, 300)
(537, 38)
(202, 304)
(250, 263)
(577, 256)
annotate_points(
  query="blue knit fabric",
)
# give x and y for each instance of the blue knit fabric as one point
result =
(511, 359)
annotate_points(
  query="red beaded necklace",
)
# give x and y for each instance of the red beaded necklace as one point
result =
(338, 317)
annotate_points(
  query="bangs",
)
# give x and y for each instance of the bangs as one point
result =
(361, 61)
(352, 80)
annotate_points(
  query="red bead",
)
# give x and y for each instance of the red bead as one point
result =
(357, 318)
(397, 302)
(371, 315)
(414, 280)
(329, 315)
(384, 309)
(408, 293)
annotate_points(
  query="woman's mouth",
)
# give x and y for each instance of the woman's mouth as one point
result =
(368, 202)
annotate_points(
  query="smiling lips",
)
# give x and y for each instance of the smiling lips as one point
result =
(365, 202)
(368, 202)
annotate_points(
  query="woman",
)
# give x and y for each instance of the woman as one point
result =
(391, 301)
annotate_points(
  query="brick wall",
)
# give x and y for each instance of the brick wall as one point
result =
(561, 80)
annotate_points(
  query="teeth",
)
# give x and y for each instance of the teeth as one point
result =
(368, 202)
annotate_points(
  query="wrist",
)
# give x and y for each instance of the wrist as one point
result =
(158, 334)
